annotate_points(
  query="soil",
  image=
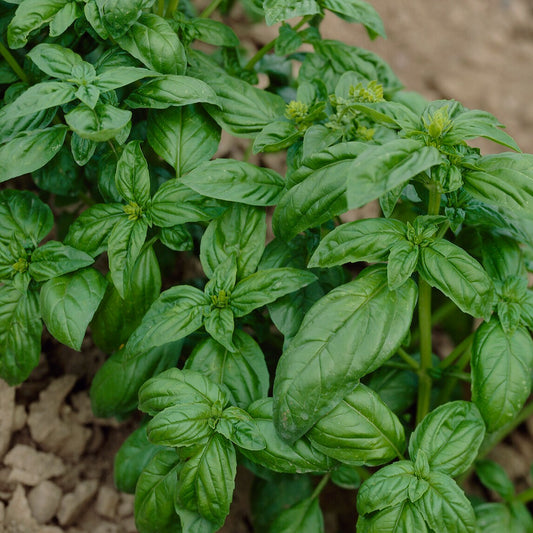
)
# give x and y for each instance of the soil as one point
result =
(56, 458)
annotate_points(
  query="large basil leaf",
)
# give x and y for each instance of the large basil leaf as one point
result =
(402, 518)
(132, 457)
(99, 124)
(450, 437)
(20, 333)
(68, 304)
(207, 480)
(501, 372)
(303, 517)
(244, 372)
(280, 10)
(175, 314)
(171, 90)
(90, 231)
(298, 458)
(236, 181)
(132, 178)
(360, 430)
(31, 15)
(55, 60)
(30, 151)
(114, 77)
(505, 180)
(115, 387)
(356, 241)
(24, 215)
(152, 41)
(183, 136)
(458, 275)
(240, 231)
(347, 334)
(155, 492)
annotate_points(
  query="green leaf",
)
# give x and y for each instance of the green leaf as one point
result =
(20, 333)
(132, 177)
(504, 180)
(496, 517)
(31, 15)
(24, 215)
(298, 458)
(178, 312)
(360, 430)
(64, 18)
(280, 10)
(154, 494)
(276, 136)
(494, 477)
(303, 517)
(356, 241)
(54, 259)
(60, 176)
(458, 275)
(236, 181)
(114, 77)
(152, 41)
(131, 459)
(243, 372)
(213, 32)
(357, 11)
(171, 90)
(118, 16)
(240, 231)
(124, 246)
(175, 203)
(403, 518)
(219, 324)
(38, 97)
(445, 507)
(403, 259)
(240, 428)
(207, 480)
(117, 317)
(82, 149)
(68, 304)
(346, 477)
(450, 437)
(115, 387)
(347, 334)
(55, 60)
(501, 372)
(176, 238)
(265, 286)
(90, 231)
(99, 124)
(183, 136)
(30, 151)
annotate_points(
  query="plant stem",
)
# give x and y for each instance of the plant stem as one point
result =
(12, 62)
(525, 496)
(269, 46)
(320, 486)
(171, 8)
(413, 363)
(457, 351)
(207, 12)
(461, 363)
(442, 312)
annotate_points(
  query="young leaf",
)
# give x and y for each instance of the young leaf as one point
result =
(171, 90)
(501, 372)
(207, 480)
(178, 312)
(132, 177)
(99, 124)
(69, 302)
(131, 459)
(276, 136)
(240, 428)
(119, 15)
(403, 259)
(347, 334)
(20, 333)
(244, 372)
(450, 437)
(55, 60)
(54, 259)
(458, 275)
(236, 181)
(303, 517)
(152, 41)
(360, 430)
(154, 494)
(219, 324)
(266, 286)
(241, 231)
(183, 136)
(29, 151)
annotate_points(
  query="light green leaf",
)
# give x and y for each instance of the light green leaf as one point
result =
(403, 259)
(357, 11)
(403, 518)
(240, 428)
(113, 77)
(280, 10)
(68, 304)
(64, 18)
(132, 177)
(219, 324)
(214, 32)
(276, 136)
(55, 60)
(99, 124)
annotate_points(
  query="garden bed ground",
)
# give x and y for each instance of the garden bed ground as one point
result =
(56, 458)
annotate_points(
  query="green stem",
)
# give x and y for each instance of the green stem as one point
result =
(525, 496)
(443, 230)
(457, 352)
(451, 382)
(208, 11)
(413, 363)
(320, 486)
(171, 8)
(269, 46)
(440, 314)
(12, 62)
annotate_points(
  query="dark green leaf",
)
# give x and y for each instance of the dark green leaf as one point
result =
(403, 259)
(501, 372)
(303, 517)
(219, 324)
(346, 477)
(240, 428)
(118, 16)
(347, 334)
(30, 151)
(54, 259)
(402, 518)
(99, 124)
(68, 304)
(176, 238)
(132, 177)
(60, 176)
(494, 477)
